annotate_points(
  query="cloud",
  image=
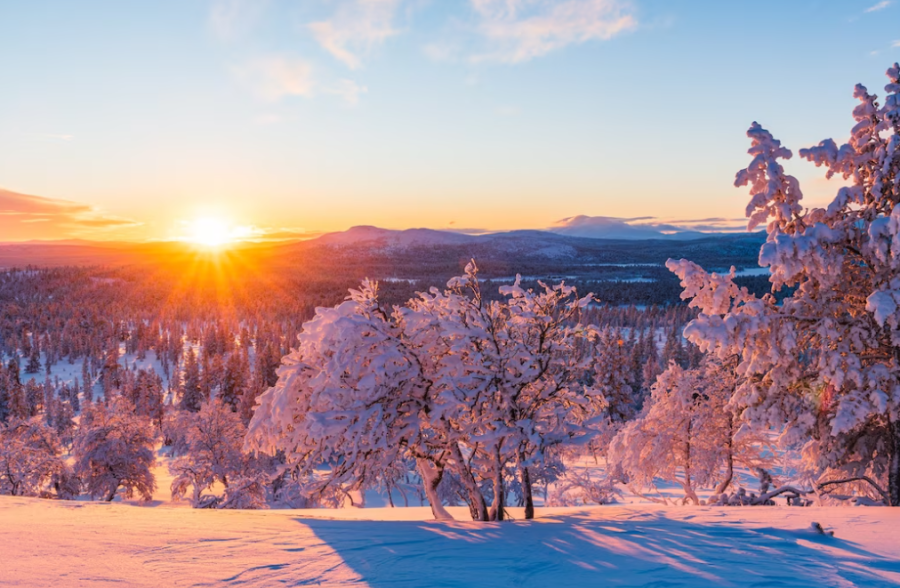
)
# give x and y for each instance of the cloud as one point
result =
(646, 227)
(356, 28)
(34, 217)
(271, 118)
(277, 76)
(468, 230)
(895, 44)
(285, 234)
(520, 30)
(54, 137)
(442, 51)
(348, 90)
(229, 19)
(508, 110)
(12, 203)
(880, 6)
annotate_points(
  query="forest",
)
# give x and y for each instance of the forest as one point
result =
(275, 388)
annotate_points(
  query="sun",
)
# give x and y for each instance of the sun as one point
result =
(210, 232)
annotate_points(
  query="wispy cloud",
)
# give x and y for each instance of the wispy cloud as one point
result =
(644, 227)
(895, 44)
(277, 76)
(508, 110)
(356, 28)
(54, 137)
(520, 30)
(348, 90)
(229, 19)
(880, 6)
(283, 234)
(19, 213)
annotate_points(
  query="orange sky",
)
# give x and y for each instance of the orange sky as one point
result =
(288, 119)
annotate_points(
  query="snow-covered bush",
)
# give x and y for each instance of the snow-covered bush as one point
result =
(823, 365)
(581, 487)
(29, 458)
(114, 449)
(211, 454)
(673, 439)
(686, 433)
(450, 380)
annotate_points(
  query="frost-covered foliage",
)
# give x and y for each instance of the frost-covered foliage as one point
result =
(30, 458)
(583, 487)
(825, 363)
(459, 384)
(685, 434)
(114, 449)
(210, 453)
(145, 391)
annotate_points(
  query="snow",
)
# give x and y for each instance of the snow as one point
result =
(58, 543)
(606, 227)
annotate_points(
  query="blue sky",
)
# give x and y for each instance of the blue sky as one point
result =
(311, 115)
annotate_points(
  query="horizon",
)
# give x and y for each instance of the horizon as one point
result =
(603, 228)
(270, 121)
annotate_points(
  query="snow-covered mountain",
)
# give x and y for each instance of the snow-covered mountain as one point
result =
(581, 226)
(404, 238)
(605, 227)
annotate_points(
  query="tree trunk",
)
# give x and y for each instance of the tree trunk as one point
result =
(477, 504)
(894, 463)
(729, 462)
(526, 491)
(431, 477)
(687, 483)
(499, 503)
(689, 493)
(112, 494)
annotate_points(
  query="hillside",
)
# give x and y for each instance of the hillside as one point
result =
(56, 543)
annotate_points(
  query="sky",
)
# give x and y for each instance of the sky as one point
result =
(132, 120)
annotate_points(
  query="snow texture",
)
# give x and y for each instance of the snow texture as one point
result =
(91, 544)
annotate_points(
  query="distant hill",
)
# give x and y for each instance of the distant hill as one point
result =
(603, 227)
(372, 251)
(404, 238)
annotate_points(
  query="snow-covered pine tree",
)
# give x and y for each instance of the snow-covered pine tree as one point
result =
(34, 359)
(235, 379)
(823, 366)
(5, 388)
(191, 394)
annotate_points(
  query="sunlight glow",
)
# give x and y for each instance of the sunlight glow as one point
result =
(213, 232)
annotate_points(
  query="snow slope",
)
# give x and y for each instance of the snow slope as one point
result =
(55, 543)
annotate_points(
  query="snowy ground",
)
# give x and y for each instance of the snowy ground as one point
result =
(56, 543)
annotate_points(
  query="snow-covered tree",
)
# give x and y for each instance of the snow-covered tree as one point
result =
(823, 365)
(457, 383)
(30, 457)
(113, 450)
(674, 439)
(146, 394)
(213, 437)
(611, 377)
(686, 433)
(191, 395)
(234, 380)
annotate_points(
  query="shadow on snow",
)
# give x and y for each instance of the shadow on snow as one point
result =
(646, 549)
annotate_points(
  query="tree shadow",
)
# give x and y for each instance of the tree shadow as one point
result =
(574, 550)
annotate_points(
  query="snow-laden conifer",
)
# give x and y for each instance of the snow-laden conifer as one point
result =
(824, 364)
